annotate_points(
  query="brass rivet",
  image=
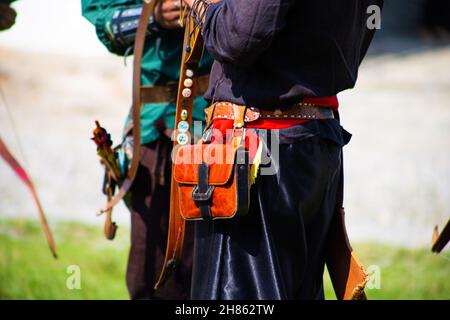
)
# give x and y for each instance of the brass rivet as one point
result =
(188, 83)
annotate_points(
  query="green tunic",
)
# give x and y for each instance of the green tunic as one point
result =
(160, 62)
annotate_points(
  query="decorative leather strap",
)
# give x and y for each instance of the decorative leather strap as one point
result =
(192, 53)
(231, 111)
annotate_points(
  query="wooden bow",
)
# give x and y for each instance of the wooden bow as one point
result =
(147, 11)
(441, 239)
(23, 175)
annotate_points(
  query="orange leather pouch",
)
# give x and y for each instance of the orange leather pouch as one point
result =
(212, 181)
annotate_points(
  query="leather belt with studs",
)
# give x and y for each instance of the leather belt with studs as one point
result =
(304, 111)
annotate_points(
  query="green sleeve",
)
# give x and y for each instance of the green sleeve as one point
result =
(99, 13)
(7, 1)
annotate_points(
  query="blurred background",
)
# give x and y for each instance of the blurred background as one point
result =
(57, 78)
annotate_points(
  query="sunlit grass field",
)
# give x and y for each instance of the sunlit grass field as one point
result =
(28, 271)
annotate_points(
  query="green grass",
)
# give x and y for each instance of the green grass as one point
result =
(404, 273)
(27, 270)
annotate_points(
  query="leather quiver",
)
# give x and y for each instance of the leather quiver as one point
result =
(212, 181)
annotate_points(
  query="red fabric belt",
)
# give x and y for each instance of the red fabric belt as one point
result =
(332, 102)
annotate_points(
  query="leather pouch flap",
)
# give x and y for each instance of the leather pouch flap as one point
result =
(219, 157)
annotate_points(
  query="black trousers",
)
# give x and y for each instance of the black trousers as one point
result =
(149, 206)
(277, 250)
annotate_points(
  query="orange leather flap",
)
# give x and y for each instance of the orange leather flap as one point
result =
(219, 157)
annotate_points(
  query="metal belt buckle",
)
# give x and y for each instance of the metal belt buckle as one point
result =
(202, 196)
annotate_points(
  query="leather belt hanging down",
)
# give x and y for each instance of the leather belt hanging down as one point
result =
(192, 53)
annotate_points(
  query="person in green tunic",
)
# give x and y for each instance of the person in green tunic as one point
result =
(7, 14)
(115, 23)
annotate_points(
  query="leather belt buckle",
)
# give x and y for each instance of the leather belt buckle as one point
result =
(202, 196)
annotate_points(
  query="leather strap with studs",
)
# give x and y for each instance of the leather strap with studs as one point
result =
(302, 111)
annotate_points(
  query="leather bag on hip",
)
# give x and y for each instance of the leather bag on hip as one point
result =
(212, 180)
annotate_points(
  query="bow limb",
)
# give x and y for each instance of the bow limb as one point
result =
(441, 239)
(22, 174)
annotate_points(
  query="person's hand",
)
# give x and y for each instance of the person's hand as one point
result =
(188, 2)
(167, 13)
(7, 16)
